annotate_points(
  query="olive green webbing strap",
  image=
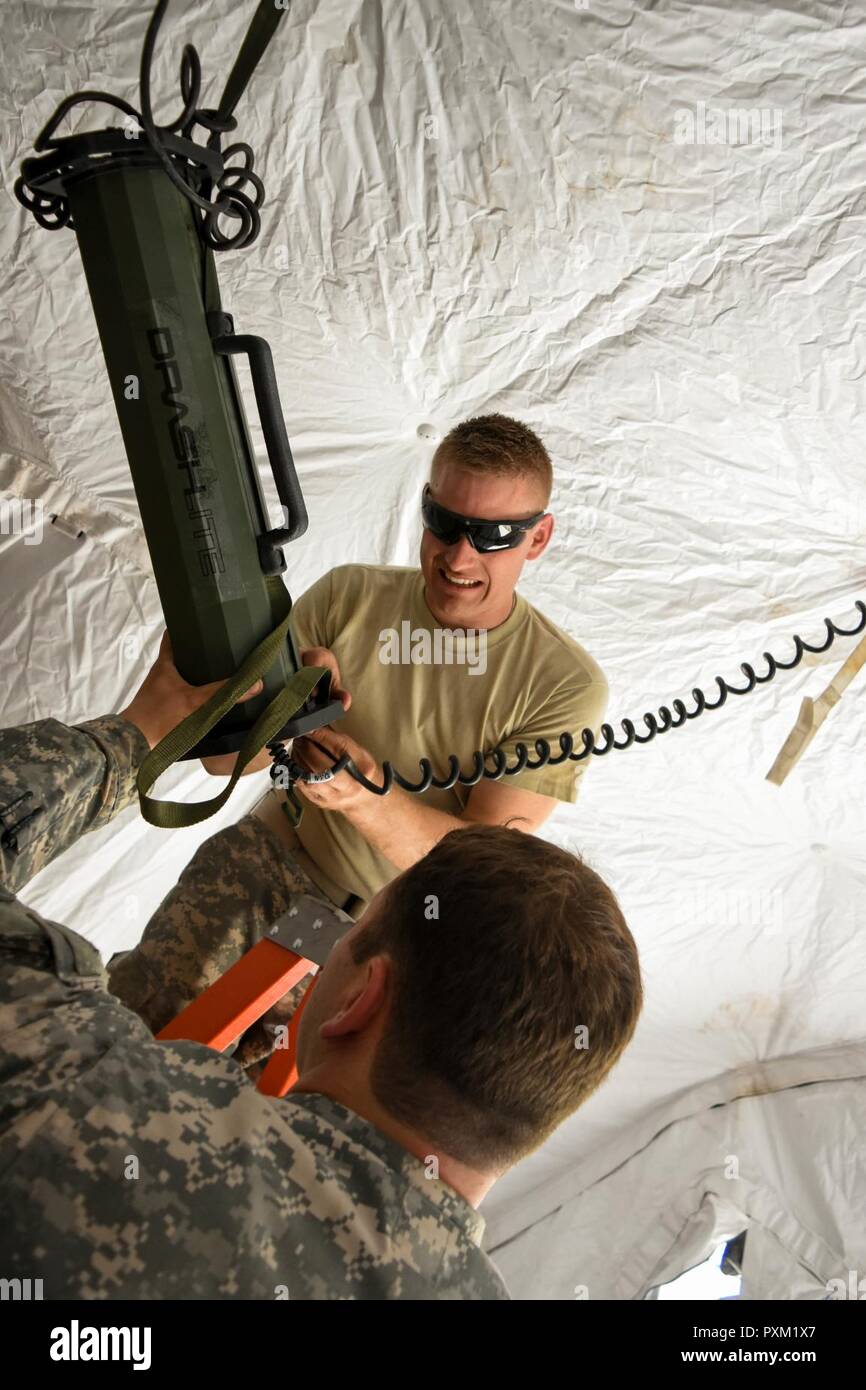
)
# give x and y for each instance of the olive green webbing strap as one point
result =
(262, 28)
(174, 815)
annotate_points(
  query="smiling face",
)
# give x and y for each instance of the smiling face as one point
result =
(463, 587)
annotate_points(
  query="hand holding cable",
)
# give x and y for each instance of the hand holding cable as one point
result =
(330, 762)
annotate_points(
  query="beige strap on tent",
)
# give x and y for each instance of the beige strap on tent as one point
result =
(812, 715)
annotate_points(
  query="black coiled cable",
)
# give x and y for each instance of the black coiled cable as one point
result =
(231, 200)
(655, 724)
(235, 192)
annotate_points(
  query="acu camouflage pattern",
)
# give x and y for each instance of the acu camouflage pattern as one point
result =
(234, 888)
(136, 1169)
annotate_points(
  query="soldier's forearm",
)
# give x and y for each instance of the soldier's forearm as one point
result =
(401, 826)
(57, 783)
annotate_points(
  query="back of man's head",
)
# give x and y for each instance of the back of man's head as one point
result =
(516, 987)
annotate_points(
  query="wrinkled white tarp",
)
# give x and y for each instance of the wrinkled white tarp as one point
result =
(474, 206)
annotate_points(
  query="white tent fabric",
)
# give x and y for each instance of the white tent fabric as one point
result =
(640, 229)
(773, 1150)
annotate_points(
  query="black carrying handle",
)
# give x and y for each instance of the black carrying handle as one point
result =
(274, 429)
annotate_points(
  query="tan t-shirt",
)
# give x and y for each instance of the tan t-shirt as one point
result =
(538, 683)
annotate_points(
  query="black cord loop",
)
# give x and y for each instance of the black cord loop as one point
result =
(655, 724)
(237, 193)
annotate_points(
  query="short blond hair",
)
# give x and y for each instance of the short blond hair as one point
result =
(498, 445)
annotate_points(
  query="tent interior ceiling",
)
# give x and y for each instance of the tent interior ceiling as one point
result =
(493, 206)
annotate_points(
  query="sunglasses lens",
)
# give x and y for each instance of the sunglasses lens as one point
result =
(497, 535)
(440, 522)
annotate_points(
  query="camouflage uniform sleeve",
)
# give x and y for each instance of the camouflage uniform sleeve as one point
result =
(57, 783)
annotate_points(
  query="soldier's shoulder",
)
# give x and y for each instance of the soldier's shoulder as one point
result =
(563, 654)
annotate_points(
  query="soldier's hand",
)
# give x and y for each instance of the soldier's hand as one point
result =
(323, 656)
(222, 764)
(165, 698)
(317, 752)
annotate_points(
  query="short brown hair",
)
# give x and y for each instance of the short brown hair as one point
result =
(499, 445)
(481, 1051)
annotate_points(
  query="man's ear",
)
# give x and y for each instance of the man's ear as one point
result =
(363, 1004)
(540, 537)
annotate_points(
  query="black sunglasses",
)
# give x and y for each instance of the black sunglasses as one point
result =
(483, 535)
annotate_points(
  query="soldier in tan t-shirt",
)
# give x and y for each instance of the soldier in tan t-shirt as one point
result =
(523, 681)
(513, 677)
